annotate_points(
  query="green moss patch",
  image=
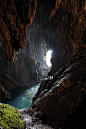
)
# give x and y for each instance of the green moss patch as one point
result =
(10, 118)
(4, 91)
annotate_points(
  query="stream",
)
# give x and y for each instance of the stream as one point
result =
(22, 97)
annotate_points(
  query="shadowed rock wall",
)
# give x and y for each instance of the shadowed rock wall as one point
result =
(63, 98)
(20, 72)
(62, 25)
(14, 17)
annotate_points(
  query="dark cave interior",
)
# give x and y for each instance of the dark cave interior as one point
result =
(28, 30)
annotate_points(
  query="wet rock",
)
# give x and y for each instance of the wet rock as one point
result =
(42, 89)
(43, 92)
(31, 120)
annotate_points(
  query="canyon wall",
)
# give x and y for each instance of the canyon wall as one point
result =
(14, 17)
(60, 24)
(17, 67)
(62, 100)
(21, 72)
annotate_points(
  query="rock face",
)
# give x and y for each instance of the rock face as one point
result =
(21, 72)
(70, 31)
(65, 96)
(33, 119)
(4, 94)
(15, 15)
(60, 24)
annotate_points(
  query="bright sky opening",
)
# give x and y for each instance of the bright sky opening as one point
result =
(48, 58)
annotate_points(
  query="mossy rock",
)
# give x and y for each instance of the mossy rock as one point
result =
(10, 118)
(3, 89)
(4, 93)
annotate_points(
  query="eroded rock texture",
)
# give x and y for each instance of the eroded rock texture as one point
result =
(65, 96)
(21, 72)
(61, 25)
(14, 17)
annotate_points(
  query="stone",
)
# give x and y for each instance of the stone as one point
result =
(15, 15)
(60, 26)
(32, 121)
(19, 73)
(4, 93)
(66, 97)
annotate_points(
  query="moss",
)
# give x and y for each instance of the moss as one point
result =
(10, 118)
(36, 59)
(3, 89)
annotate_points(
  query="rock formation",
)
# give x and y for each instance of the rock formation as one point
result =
(21, 72)
(60, 24)
(65, 96)
(14, 17)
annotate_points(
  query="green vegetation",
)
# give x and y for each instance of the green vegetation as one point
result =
(36, 59)
(10, 118)
(3, 89)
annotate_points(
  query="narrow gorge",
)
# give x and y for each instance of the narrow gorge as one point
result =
(43, 44)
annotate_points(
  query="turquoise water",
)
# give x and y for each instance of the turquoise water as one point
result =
(22, 97)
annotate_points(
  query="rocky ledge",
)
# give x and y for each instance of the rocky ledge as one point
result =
(63, 98)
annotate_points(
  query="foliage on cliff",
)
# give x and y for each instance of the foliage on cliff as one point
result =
(10, 118)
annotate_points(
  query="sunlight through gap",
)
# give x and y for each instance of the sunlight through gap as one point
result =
(48, 58)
